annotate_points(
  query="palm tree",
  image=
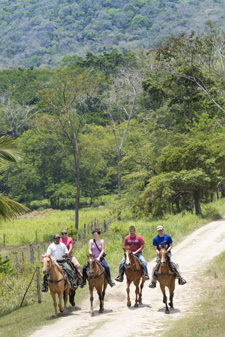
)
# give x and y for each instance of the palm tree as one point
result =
(8, 207)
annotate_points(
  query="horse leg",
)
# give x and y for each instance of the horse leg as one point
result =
(60, 301)
(99, 291)
(136, 283)
(164, 298)
(91, 300)
(128, 293)
(140, 292)
(104, 286)
(72, 294)
(66, 293)
(54, 303)
(172, 287)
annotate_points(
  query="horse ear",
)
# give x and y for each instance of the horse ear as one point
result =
(160, 246)
(93, 254)
(166, 246)
(123, 248)
(131, 246)
(87, 255)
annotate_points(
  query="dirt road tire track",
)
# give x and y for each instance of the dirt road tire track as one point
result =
(193, 255)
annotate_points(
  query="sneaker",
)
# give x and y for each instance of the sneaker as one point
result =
(146, 277)
(74, 286)
(152, 285)
(112, 284)
(181, 281)
(119, 279)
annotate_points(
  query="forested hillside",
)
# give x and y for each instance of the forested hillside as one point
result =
(147, 126)
(38, 32)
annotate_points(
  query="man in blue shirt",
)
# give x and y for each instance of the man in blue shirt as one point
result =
(166, 239)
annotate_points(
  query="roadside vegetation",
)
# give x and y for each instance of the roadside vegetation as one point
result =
(207, 318)
(35, 315)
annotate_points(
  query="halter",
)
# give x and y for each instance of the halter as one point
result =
(49, 272)
(132, 270)
(97, 276)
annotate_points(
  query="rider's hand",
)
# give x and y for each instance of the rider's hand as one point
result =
(64, 255)
(134, 253)
(98, 259)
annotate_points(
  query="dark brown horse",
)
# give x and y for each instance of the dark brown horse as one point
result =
(134, 273)
(96, 279)
(166, 277)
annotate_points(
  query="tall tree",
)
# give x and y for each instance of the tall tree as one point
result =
(67, 103)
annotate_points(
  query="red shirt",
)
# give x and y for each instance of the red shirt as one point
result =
(136, 241)
(67, 242)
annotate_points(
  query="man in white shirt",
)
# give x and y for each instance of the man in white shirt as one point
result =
(59, 251)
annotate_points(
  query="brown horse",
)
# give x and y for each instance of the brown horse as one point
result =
(57, 283)
(166, 277)
(96, 279)
(134, 273)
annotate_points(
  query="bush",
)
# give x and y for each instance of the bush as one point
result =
(37, 204)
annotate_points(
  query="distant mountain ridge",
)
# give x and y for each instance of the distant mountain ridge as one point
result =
(39, 32)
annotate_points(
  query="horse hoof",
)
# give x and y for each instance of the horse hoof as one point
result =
(100, 311)
(92, 314)
(129, 304)
(167, 312)
(136, 305)
(73, 304)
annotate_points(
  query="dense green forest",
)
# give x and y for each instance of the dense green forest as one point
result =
(34, 33)
(146, 125)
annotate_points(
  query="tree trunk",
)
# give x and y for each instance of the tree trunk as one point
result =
(177, 206)
(119, 182)
(198, 210)
(77, 199)
(222, 191)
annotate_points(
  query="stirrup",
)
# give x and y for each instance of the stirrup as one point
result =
(119, 278)
(152, 284)
(83, 283)
(181, 281)
(111, 283)
(146, 277)
(44, 289)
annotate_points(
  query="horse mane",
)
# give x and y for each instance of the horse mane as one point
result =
(54, 262)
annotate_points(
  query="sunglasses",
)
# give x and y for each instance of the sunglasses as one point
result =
(64, 233)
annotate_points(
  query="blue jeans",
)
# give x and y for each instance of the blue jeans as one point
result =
(105, 264)
(143, 263)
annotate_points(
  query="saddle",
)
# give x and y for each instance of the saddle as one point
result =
(101, 266)
(74, 270)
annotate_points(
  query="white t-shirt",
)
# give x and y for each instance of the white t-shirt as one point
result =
(57, 250)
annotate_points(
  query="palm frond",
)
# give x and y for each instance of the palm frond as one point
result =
(8, 150)
(10, 208)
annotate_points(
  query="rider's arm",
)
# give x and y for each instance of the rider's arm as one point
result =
(102, 251)
(169, 248)
(70, 248)
(156, 250)
(89, 246)
(138, 250)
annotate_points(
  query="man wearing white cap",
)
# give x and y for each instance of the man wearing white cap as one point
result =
(166, 239)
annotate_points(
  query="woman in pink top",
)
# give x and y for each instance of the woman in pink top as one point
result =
(97, 246)
(69, 244)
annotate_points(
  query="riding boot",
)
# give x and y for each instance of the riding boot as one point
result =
(83, 283)
(181, 280)
(45, 284)
(119, 278)
(110, 282)
(145, 275)
(152, 284)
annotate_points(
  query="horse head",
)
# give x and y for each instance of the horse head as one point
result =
(128, 255)
(163, 254)
(47, 263)
(91, 264)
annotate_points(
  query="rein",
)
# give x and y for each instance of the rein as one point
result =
(49, 272)
(132, 270)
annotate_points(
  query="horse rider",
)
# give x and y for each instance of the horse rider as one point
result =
(59, 251)
(97, 246)
(137, 243)
(166, 239)
(68, 242)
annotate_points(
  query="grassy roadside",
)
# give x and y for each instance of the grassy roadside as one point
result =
(208, 318)
(23, 321)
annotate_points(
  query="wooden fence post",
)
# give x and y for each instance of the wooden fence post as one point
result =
(17, 264)
(105, 226)
(45, 248)
(39, 260)
(88, 229)
(4, 240)
(95, 222)
(91, 226)
(31, 255)
(36, 237)
(81, 237)
(77, 241)
(38, 285)
(85, 230)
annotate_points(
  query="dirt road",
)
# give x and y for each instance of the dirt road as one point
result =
(193, 255)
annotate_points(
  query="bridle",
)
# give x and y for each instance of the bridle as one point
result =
(48, 272)
(90, 273)
(131, 257)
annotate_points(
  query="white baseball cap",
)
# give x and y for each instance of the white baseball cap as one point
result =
(159, 228)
